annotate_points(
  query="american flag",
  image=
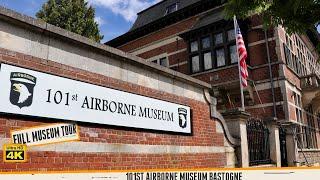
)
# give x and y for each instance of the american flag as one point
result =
(242, 53)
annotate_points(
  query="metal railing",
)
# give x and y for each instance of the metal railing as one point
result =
(258, 142)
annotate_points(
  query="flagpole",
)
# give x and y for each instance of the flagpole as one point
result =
(241, 87)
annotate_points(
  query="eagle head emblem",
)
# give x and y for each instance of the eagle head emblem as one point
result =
(22, 86)
(182, 117)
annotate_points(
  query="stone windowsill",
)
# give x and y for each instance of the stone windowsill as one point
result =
(309, 150)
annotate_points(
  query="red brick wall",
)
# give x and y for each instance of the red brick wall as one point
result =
(178, 58)
(220, 76)
(255, 35)
(268, 111)
(164, 33)
(262, 73)
(51, 161)
(256, 52)
(168, 48)
(204, 129)
(292, 77)
(266, 96)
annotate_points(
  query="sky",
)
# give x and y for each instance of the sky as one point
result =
(115, 17)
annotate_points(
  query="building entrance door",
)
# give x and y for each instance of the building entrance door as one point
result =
(283, 147)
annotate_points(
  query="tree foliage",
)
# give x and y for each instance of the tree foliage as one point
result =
(295, 15)
(73, 15)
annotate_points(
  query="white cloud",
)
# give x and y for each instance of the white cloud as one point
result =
(128, 9)
(99, 20)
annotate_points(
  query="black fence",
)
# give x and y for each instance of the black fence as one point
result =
(258, 142)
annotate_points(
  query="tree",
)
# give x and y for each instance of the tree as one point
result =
(73, 15)
(295, 15)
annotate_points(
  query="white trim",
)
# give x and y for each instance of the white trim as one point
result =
(176, 52)
(215, 69)
(302, 110)
(309, 150)
(157, 57)
(155, 44)
(267, 85)
(264, 105)
(178, 64)
(293, 88)
(94, 147)
(260, 42)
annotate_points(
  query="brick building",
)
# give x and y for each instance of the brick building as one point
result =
(194, 38)
(34, 46)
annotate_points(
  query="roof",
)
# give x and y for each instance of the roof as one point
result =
(37, 25)
(154, 18)
(158, 11)
(208, 18)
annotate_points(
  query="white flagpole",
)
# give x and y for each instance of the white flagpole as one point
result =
(241, 87)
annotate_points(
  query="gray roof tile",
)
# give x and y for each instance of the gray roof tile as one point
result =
(208, 18)
(158, 11)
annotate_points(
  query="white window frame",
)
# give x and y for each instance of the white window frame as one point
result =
(157, 59)
(176, 8)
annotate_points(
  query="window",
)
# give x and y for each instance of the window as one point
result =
(233, 54)
(213, 50)
(195, 64)
(207, 60)
(162, 61)
(172, 8)
(294, 62)
(298, 56)
(311, 131)
(194, 46)
(297, 102)
(307, 131)
(221, 60)
(287, 53)
(205, 42)
(218, 39)
(231, 35)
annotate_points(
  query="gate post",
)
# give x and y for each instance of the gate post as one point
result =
(274, 140)
(291, 142)
(236, 120)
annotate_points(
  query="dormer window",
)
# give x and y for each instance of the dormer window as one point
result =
(161, 61)
(172, 8)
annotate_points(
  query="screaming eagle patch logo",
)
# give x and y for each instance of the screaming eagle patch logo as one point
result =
(182, 117)
(22, 85)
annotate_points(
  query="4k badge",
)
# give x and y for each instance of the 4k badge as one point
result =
(22, 85)
(14, 153)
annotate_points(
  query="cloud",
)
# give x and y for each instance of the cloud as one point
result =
(128, 9)
(99, 20)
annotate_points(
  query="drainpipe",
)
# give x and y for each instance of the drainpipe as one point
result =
(177, 47)
(270, 75)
